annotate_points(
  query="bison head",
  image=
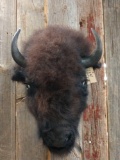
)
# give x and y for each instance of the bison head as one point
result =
(52, 67)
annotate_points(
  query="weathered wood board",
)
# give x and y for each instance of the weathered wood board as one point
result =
(112, 49)
(30, 16)
(94, 135)
(7, 88)
(7, 116)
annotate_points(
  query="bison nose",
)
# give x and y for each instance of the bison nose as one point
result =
(59, 141)
(63, 140)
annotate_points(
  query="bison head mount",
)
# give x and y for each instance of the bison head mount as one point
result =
(52, 67)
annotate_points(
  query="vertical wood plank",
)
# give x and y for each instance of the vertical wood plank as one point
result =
(7, 116)
(95, 139)
(30, 16)
(112, 48)
(62, 12)
(7, 88)
(29, 146)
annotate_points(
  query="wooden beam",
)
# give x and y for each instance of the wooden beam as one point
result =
(7, 88)
(112, 48)
(94, 136)
(30, 16)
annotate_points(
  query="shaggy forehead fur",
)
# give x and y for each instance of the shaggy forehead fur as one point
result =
(54, 54)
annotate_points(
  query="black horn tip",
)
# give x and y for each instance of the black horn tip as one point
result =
(93, 59)
(17, 56)
(17, 33)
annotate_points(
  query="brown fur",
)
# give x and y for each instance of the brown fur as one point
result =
(55, 53)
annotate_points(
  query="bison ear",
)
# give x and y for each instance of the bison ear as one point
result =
(18, 75)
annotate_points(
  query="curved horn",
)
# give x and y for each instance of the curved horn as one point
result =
(93, 59)
(17, 56)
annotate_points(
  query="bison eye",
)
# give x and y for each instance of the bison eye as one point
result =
(28, 86)
(83, 87)
(31, 88)
(84, 83)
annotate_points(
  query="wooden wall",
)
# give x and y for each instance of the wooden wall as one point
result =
(100, 123)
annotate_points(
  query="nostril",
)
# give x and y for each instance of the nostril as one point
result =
(68, 137)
